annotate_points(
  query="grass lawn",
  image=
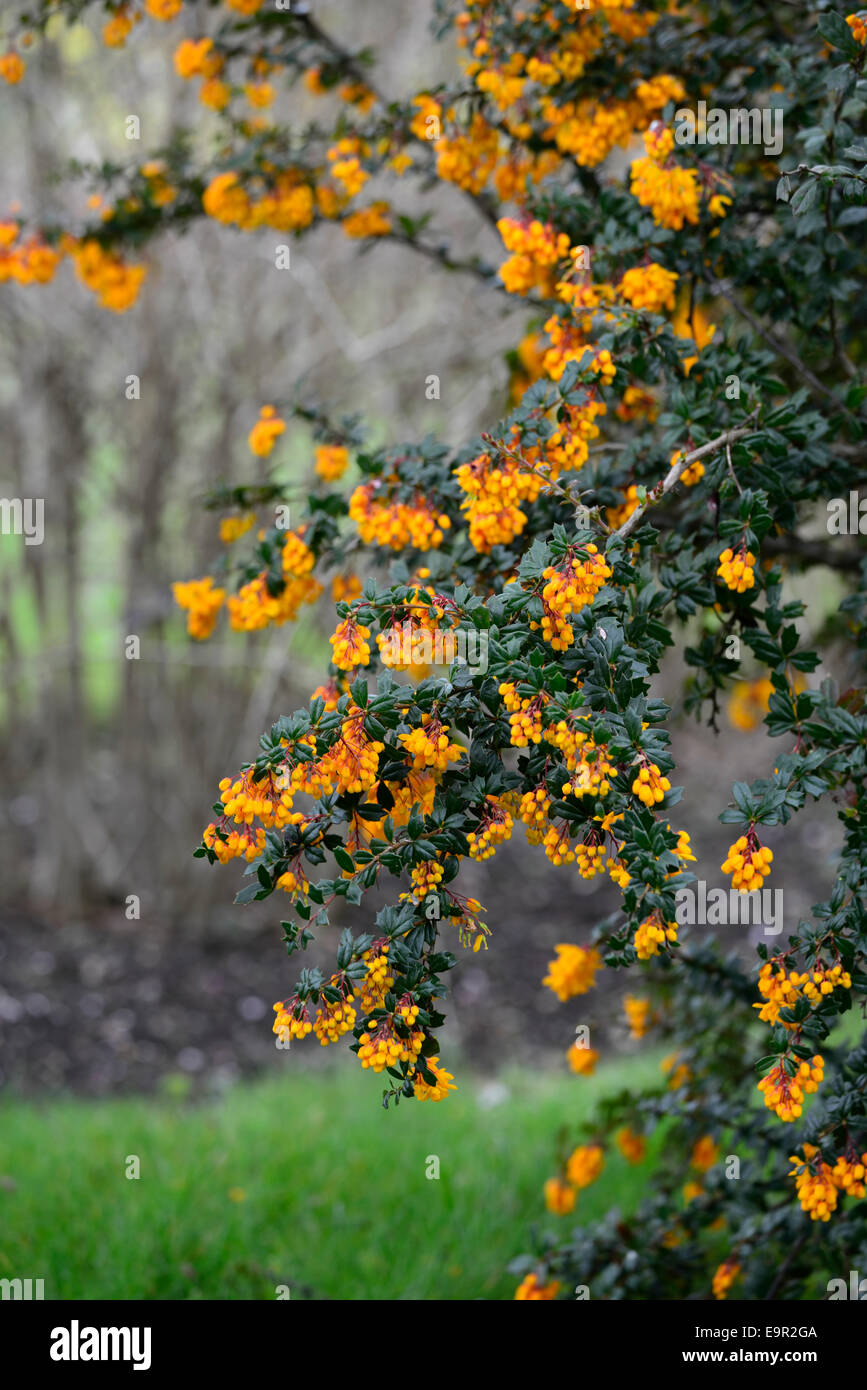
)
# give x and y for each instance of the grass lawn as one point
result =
(305, 1181)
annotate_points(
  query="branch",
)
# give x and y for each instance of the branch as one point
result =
(342, 56)
(350, 65)
(672, 477)
(726, 293)
(800, 550)
(814, 552)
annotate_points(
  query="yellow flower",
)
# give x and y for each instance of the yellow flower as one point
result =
(573, 971)
(632, 1146)
(259, 94)
(370, 221)
(704, 1154)
(725, 1277)
(164, 9)
(585, 1164)
(559, 1196)
(266, 431)
(202, 603)
(639, 1015)
(191, 57)
(531, 1290)
(737, 571)
(12, 67)
(582, 1060)
(233, 527)
(749, 702)
(331, 461)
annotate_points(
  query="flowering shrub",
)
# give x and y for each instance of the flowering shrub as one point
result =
(690, 391)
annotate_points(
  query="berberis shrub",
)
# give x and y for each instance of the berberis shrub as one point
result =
(687, 411)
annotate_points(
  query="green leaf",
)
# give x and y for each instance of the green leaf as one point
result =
(804, 197)
(834, 28)
(344, 860)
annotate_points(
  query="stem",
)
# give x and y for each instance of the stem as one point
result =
(673, 475)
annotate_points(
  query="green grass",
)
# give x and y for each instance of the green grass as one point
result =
(329, 1193)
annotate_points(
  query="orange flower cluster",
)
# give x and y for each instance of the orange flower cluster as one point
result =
(331, 461)
(370, 221)
(441, 1087)
(586, 761)
(383, 1048)
(266, 431)
(582, 1060)
(496, 826)
(12, 67)
(536, 249)
(782, 989)
(286, 203)
(588, 855)
(704, 1154)
(559, 1196)
(633, 1146)
(334, 1019)
(568, 344)
(784, 1093)
(530, 1290)
(693, 473)
(115, 283)
(585, 1164)
(749, 703)
(202, 603)
(352, 764)
(748, 862)
(533, 811)
(724, 1277)
(426, 878)
(637, 404)
(493, 493)
(254, 606)
(649, 287)
(525, 715)
(639, 1015)
(351, 647)
(568, 589)
(566, 449)
(429, 745)
(468, 158)
(650, 786)
(31, 262)
(164, 10)
(398, 525)
(232, 528)
(737, 571)
(818, 1185)
(573, 971)
(615, 516)
(652, 935)
(671, 193)
(245, 801)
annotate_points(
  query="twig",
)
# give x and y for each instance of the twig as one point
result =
(732, 473)
(672, 477)
(725, 292)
